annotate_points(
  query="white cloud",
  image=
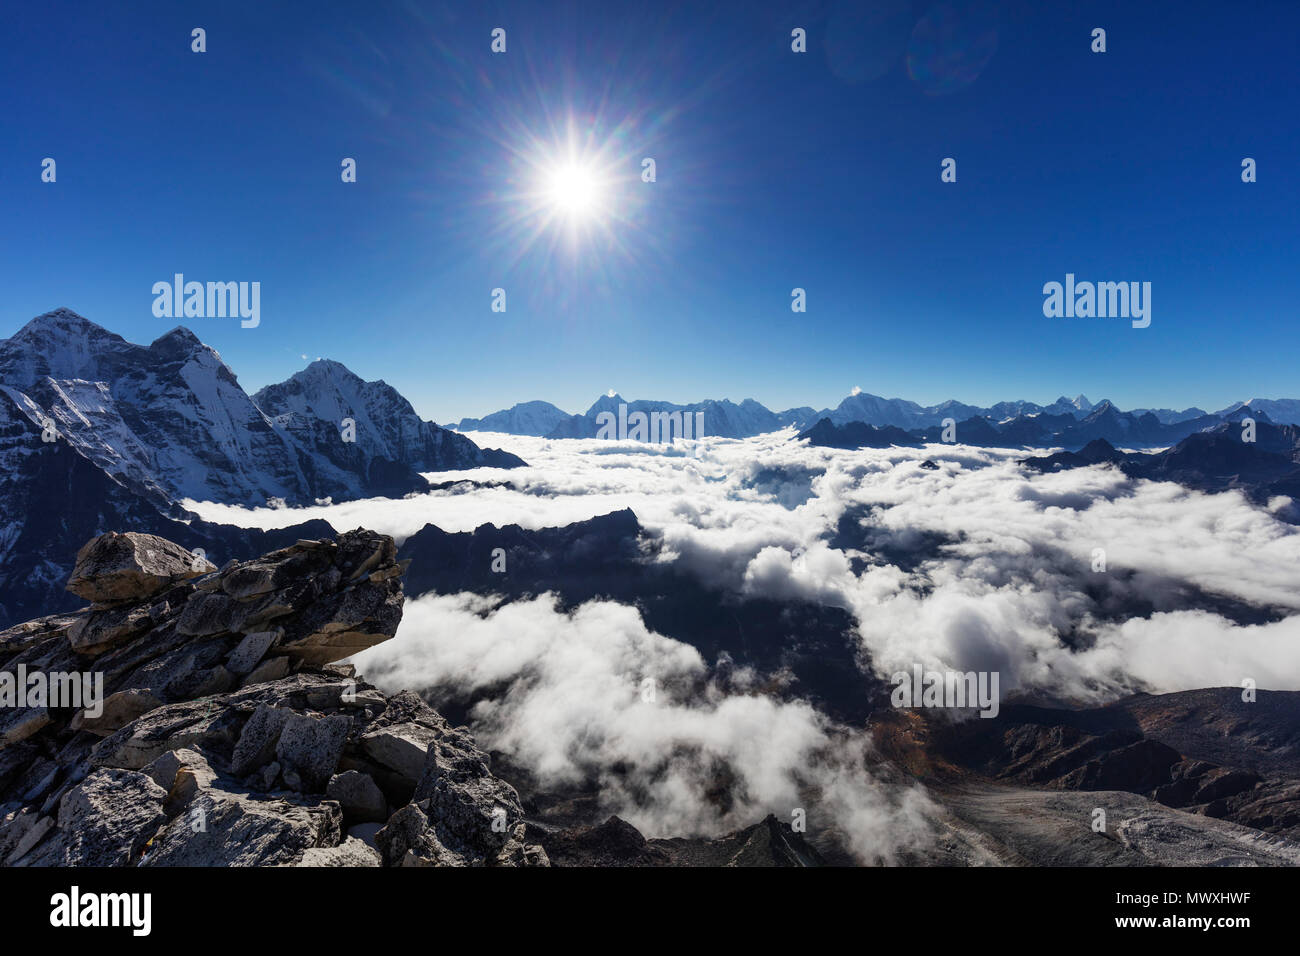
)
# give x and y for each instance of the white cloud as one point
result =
(572, 710)
(975, 565)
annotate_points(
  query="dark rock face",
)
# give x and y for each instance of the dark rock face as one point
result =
(617, 843)
(856, 435)
(227, 735)
(1215, 459)
(1204, 751)
(54, 500)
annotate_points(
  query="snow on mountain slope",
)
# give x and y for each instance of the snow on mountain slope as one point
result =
(722, 418)
(537, 419)
(170, 416)
(1282, 410)
(171, 422)
(86, 415)
(313, 404)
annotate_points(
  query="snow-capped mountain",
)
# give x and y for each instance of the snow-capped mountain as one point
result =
(168, 420)
(526, 418)
(1023, 420)
(722, 418)
(53, 498)
(100, 434)
(1283, 410)
(354, 427)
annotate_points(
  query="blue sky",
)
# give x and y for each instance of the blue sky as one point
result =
(774, 170)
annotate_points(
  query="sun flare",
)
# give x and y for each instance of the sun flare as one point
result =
(574, 190)
(573, 193)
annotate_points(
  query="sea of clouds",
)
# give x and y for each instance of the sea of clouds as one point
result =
(977, 564)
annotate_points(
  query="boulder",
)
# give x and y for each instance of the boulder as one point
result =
(114, 568)
(258, 739)
(309, 749)
(359, 796)
(351, 852)
(272, 668)
(232, 827)
(102, 629)
(403, 748)
(107, 819)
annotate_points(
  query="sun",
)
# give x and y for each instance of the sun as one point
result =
(574, 190)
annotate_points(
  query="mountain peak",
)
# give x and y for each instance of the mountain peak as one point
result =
(179, 336)
(607, 402)
(63, 323)
(328, 368)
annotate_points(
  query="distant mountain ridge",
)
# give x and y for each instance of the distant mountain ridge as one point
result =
(1036, 423)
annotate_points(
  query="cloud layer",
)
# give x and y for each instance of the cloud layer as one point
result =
(1081, 585)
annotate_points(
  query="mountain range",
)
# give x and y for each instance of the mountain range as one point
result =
(1021, 422)
(1039, 430)
(97, 434)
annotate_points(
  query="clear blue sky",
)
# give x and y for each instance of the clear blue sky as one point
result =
(775, 170)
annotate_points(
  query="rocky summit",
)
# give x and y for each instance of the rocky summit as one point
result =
(191, 716)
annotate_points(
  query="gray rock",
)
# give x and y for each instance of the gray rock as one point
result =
(251, 649)
(351, 852)
(407, 840)
(265, 778)
(231, 827)
(107, 819)
(183, 774)
(119, 710)
(113, 567)
(271, 669)
(309, 749)
(474, 813)
(401, 747)
(359, 796)
(19, 723)
(207, 614)
(251, 580)
(191, 724)
(29, 838)
(258, 740)
(102, 629)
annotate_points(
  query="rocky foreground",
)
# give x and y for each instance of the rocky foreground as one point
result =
(227, 734)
